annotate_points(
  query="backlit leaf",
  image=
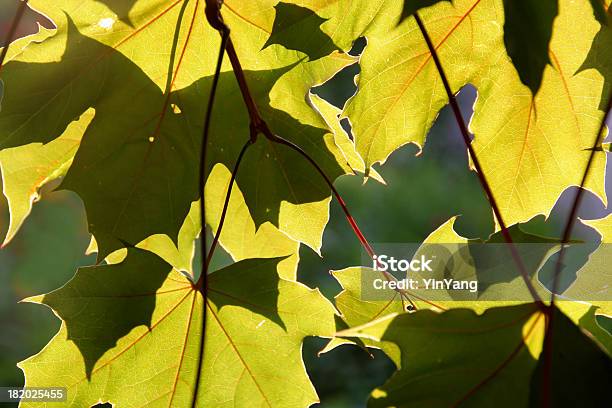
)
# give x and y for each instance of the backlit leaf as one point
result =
(145, 338)
(531, 149)
(135, 166)
(25, 169)
(239, 237)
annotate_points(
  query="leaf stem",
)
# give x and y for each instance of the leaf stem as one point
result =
(202, 284)
(258, 125)
(479, 171)
(362, 239)
(11, 33)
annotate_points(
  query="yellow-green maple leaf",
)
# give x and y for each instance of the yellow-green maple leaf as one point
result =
(531, 149)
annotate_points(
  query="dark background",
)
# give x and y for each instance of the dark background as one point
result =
(51, 244)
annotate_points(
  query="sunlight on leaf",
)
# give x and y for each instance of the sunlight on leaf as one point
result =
(530, 150)
(25, 169)
(256, 325)
(134, 167)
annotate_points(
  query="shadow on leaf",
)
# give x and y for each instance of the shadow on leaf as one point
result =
(134, 169)
(101, 304)
(290, 24)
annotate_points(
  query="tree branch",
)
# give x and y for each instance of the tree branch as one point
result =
(258, 125)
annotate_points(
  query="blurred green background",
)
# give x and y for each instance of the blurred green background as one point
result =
(421, 193)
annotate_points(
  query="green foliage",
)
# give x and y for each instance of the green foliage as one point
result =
(112, 100)
(135, 160)
(137, 324)
(578, 371)
(496, 356)
(94, 303)
(26, 169)
(400, 95)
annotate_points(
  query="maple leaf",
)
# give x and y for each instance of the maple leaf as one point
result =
(134, 165)
(530, 148)
(136, 325)
(496, 356)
